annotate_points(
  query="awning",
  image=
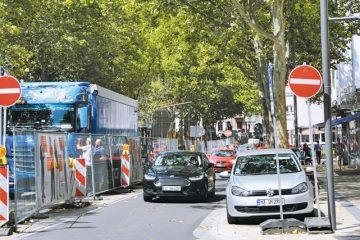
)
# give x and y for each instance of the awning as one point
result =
(338, 121)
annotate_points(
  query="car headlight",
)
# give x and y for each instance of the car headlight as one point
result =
(301, 188)
(233, 161)
(196, 178)
(149, 177)
(238, 191)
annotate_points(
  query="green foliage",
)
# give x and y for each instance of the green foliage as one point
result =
(161, 51)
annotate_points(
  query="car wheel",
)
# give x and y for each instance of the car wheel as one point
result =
(212, 193)
(230, 219)
(147, 198)
(205, 193)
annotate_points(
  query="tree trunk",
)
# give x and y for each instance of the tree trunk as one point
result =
(280, 74)
(263, 84)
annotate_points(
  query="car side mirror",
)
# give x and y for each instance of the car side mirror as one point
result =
(224, 174)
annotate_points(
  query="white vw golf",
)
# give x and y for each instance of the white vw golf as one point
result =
(252, 189)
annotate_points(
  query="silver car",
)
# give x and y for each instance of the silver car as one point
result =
(252, 189)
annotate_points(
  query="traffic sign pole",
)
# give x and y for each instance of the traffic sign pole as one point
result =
(4, 128)
(272, 104)
(314, 161)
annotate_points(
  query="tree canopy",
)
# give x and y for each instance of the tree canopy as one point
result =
(211, 55)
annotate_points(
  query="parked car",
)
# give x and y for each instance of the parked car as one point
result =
(252, 189)
(223, 159)
(180, 174)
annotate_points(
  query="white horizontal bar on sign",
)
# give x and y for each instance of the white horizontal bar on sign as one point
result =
(9, 90)
(304, 81)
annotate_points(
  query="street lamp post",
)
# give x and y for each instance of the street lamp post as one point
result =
(327, 104)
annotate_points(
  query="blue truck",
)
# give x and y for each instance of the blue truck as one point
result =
(72, 107)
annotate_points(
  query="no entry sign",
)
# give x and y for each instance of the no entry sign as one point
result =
(10, 91)
(305, 81)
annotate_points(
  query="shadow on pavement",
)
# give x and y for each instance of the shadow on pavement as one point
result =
(186, 200)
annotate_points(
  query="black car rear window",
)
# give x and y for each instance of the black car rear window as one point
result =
(179, 159)
(224, 153)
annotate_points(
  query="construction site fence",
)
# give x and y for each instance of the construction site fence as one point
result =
(152, 146)
(43, 172)
(207, 146)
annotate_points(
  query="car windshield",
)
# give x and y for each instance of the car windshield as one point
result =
(223, 153)
(265, 164)
(179, 159)
(44, 115)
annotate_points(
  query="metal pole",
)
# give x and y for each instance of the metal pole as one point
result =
(4, 127)
(296, 129)
(37, 169)
(327, 111)
(111, 160)
(1, 122)
(272, 108)
(278, 167)
(92, 168)
(352, 18)
(314, 161)
(15, 185)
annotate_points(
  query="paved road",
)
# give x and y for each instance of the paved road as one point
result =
(132, 218)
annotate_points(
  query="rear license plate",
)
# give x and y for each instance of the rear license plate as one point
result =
(171, 188)
(220, 165)
(270, 202)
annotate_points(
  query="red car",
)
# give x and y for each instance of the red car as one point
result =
(223, 159)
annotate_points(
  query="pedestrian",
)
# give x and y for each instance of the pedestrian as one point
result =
(85, 151)
(307, 154)
(318, 149)
(339, 153)
(99, 150)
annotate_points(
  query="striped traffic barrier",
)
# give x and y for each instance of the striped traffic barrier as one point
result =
(80, 178)
(4, 195)
(125, 171)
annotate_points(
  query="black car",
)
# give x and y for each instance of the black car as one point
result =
(180, 173)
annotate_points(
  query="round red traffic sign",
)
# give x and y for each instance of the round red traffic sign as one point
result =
(10, 91)
(305, 81)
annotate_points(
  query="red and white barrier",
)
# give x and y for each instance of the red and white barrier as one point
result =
(4, 195)
(125, 171)
(80, 178)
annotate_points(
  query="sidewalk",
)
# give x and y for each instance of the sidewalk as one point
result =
(347, 189)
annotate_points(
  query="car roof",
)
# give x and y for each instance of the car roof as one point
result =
(264, 151)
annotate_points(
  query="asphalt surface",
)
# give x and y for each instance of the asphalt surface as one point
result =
(127, 216)
(132, 218)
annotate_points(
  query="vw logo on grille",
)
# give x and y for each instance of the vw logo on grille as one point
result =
(270, 192)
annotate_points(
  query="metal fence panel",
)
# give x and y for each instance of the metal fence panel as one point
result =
(101, 163)
(117, 143)
(53, 169)
(79, 146)
(207, 146)
(136, 170)
(24, 174)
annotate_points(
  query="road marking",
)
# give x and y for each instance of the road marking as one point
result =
(9, 90)
(304, 81)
